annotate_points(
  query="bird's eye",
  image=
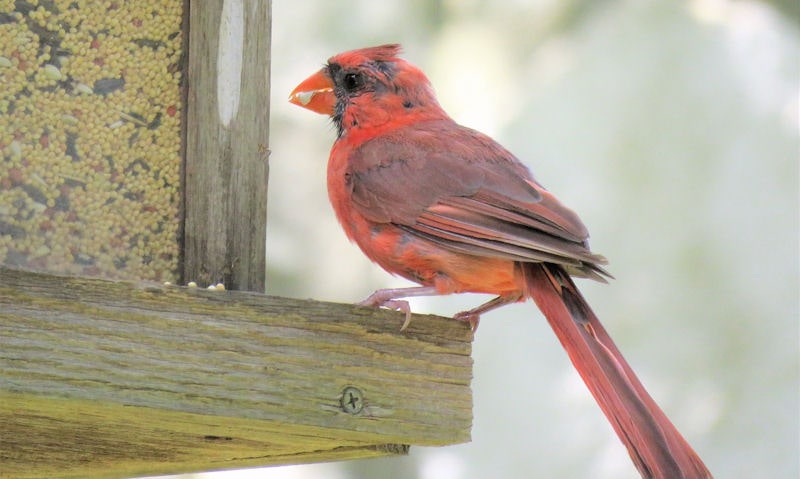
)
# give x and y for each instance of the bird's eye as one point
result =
(352, 81)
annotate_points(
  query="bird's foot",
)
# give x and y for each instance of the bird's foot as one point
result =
(396, 304)
(387, 298)
(470, 317)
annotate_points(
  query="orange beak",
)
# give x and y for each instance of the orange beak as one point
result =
(315, 93)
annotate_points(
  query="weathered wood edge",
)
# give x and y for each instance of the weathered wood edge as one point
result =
(227, 144)
(70, 438)
(239, 361)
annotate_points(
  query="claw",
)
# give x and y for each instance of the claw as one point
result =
(396, 304)
(473, 319)
(387, 298)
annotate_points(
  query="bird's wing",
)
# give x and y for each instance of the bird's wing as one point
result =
(429, 180)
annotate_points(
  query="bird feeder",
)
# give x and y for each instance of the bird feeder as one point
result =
(134, 156)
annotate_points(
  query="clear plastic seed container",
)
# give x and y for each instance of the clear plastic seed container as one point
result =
(90, 106)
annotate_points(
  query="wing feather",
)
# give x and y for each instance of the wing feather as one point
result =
(460, 189)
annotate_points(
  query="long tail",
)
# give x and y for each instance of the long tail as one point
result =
(657, 448)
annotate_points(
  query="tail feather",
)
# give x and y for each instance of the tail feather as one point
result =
(657, 448)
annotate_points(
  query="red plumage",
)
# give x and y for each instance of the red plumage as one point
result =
(449, 208)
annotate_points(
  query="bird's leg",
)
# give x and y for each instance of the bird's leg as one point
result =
(387, 298)
(473, 316)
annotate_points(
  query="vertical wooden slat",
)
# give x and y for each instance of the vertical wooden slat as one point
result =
(227, 139)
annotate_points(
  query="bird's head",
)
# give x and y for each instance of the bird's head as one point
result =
(366, 88)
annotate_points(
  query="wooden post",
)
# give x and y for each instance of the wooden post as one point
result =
(227, 143)
(111, 379)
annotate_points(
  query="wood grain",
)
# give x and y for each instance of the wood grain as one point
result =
(113, 379)
(226, 165)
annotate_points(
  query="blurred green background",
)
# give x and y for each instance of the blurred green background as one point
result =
(672, 128)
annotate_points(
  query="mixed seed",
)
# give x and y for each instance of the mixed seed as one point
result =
(90, 108)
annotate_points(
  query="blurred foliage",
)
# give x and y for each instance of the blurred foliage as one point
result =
(789, 8)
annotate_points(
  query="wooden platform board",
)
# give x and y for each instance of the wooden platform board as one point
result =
(113, 379)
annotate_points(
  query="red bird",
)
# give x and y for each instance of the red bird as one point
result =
(450, 209)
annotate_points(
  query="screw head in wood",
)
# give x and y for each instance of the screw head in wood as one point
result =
(352, 400)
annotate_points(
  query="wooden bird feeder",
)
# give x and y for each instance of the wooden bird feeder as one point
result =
(134, 154)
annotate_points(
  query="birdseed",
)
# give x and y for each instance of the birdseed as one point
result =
(90, 113)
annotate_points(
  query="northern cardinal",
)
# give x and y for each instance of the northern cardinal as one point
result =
(450, 209)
